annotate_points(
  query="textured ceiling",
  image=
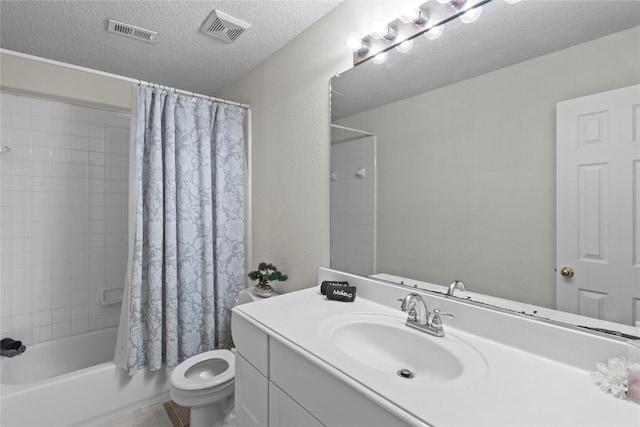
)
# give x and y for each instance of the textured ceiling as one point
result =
(503, 35)
(75, 32)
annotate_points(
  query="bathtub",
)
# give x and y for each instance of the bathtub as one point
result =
(73, 382)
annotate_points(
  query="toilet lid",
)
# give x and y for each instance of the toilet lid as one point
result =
(204, 370)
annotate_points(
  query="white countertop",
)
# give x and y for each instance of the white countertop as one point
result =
(519, 388)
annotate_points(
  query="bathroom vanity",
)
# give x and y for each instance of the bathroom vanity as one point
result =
(304, 360)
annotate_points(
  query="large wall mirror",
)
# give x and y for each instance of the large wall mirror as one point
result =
(462, 157)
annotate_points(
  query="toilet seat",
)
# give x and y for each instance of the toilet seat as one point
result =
(185, 380)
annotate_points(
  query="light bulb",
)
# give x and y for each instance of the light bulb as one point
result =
(408, 13)
(471, 15)
(434, 33)
(380, 58)
(379, 30)
(405, 46)
(411, 14)
(356, 44)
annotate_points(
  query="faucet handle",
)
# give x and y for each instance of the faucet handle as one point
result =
(412, 314)
(439, 313)
(436, 320)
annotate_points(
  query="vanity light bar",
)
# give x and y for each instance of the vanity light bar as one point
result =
(434, 13)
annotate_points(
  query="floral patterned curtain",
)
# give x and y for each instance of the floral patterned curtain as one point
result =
(187, 254)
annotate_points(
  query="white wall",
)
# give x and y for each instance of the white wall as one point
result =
(289, 96)
(353, 205)
(26, 76)
(63, 216)
(47, 292)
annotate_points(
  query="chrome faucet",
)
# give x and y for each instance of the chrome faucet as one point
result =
(419, 316)
(456, 284)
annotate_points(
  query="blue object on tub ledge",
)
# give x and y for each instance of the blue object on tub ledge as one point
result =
(10, 347)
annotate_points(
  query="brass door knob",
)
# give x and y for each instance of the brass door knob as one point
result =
(567, 272)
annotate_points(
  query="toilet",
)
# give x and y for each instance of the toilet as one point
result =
(205, 382)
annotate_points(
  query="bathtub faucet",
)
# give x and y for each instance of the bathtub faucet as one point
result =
(456, 284)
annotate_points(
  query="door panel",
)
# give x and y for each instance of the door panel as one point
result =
(598, 205)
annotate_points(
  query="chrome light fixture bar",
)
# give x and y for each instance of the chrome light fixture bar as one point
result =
(432, 14)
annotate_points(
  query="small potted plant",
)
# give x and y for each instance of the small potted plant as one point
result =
(264, 274)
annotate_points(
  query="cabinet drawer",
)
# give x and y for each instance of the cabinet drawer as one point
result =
(251, 343)
(327, 398)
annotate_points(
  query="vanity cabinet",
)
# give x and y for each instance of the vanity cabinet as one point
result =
(252, 373)
(252, 394)
(259, 402)
(279, 385)
(311, 361)
(285, 412)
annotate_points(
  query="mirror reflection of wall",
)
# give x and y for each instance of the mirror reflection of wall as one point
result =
(466, 172)
(353, 201)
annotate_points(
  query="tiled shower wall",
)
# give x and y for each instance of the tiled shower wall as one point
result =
(63, 216)
(353, 206)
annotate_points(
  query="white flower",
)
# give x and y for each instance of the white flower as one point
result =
(612, 377)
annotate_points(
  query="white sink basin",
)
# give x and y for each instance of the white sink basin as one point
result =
(385, 346)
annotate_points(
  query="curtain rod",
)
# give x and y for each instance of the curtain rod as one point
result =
(118, 77)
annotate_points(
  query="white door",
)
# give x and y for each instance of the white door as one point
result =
(598, 205)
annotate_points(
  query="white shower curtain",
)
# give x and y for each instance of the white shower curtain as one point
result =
(186, 228)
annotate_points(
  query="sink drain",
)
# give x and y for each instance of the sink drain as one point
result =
(405, 373)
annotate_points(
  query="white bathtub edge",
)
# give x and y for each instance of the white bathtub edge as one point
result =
(125, 410)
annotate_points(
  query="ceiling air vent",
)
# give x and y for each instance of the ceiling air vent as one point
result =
(132, 31)
(223, 26)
